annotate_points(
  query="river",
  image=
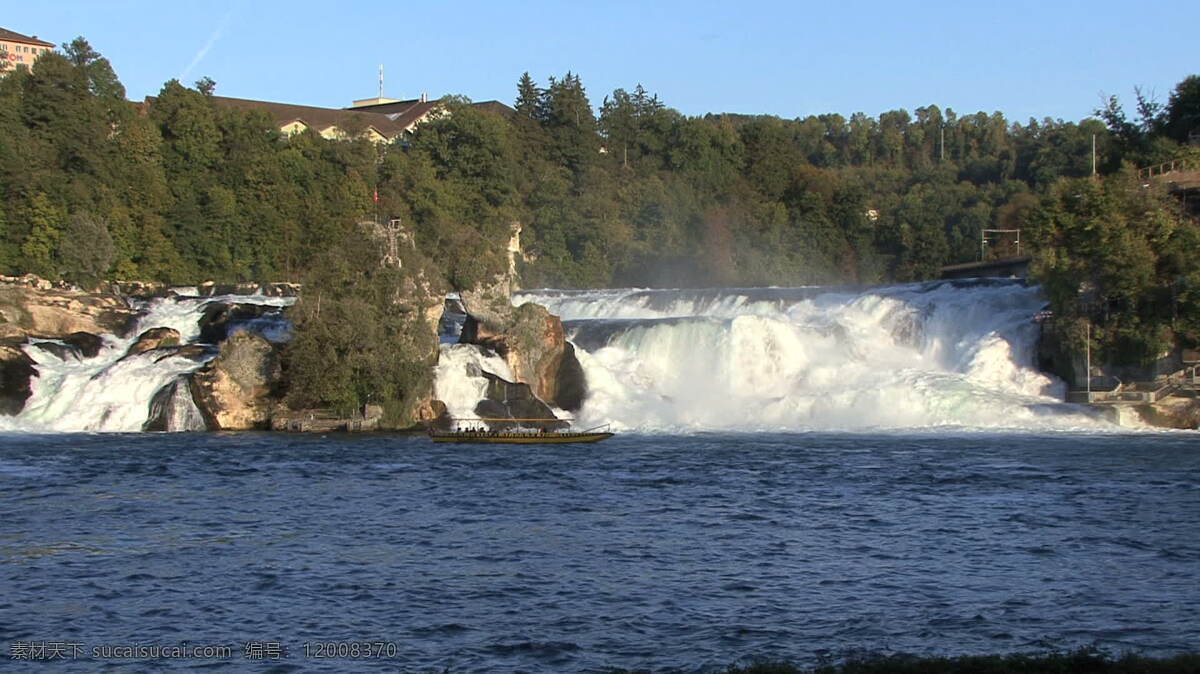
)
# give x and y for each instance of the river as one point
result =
(686, 551)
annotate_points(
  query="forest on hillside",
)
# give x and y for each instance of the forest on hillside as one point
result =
(626, 192)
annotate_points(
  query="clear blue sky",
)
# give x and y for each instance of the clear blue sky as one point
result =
(792, 59)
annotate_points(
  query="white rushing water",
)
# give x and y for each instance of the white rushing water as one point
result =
(112, 391)
(459, 380)
(940, 355)
(944, 355)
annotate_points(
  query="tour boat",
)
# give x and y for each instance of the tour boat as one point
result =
(520, 436)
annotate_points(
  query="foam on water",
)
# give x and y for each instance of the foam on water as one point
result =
(941, 355)
(112, 391)
(459, 378)
(946, 355)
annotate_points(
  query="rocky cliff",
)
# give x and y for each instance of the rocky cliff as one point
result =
(513, 400)
(16, 371)
(27, 311)
(1172, 412)
(234, 391)
(531, 341)
(33, 307)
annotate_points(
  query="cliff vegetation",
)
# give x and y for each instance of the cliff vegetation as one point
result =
(630, 192)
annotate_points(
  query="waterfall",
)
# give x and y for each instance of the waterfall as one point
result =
(940, 355)
(945, 355)
(459, 380)
(113, 391)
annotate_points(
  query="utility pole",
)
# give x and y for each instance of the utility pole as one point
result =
(942, 156)
(1093, 155)
(1089, 360)
(381, 83)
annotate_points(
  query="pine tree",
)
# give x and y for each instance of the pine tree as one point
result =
(529, 97)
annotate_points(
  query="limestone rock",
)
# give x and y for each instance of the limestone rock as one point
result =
(433, 414)
(234, 391)
(59, 351)
(422, 302)
(86, 343)
(138, 289)
(490, 305)
(16, 372)
(77, 345)
(153, 338)
(172, 409)
(570, 380)
(531, 341)
(513, 400)
(1172, 412)
(195, 352)
(56, 312)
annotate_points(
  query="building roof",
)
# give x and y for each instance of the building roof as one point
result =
(404, 113)
(390, 119)
(314, 117)
(12, 36)
(408, 112)
(496, 108)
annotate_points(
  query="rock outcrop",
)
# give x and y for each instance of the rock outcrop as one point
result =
(490, 305)
(16, 372)
(153, 338)
(531, 341)
(57, 312)
(172, 409)
(86, 343)
(234, 391)
(1172, 412)
(142, 290)
(281, 289)
(77, 346)
(513, 400)
(219, 319)
(195, 352)
(434, 414)
(59, 351)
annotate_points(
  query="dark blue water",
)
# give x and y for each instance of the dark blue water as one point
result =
(640, 552)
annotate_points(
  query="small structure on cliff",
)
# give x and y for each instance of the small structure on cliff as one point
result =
(1009, 267)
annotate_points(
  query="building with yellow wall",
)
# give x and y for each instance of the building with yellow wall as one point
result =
(17, 49)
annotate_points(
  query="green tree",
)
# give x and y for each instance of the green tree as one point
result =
(206, 85)
(45, 231)
(1182, 114)
(86, 250)
(1113, 253)
(529, 98)
(570, 124)
(102, 81)
(361, 336)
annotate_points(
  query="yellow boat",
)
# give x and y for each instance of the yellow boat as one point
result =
(534, 436)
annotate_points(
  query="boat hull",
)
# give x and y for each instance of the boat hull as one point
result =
(519, 438)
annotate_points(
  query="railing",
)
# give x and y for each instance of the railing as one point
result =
(1134, 392)
(1166, 167)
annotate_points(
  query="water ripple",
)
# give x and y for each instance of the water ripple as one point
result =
(651, 552)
